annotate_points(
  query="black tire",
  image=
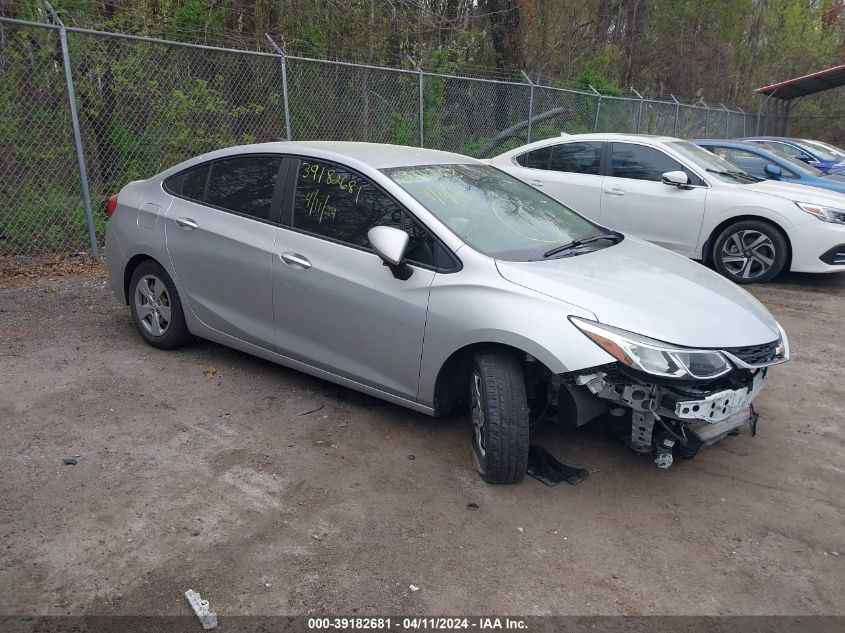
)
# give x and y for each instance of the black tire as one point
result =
(750, 251)
(173, 332)
(500, 443)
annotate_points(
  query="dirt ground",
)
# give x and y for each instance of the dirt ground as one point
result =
(271, 492)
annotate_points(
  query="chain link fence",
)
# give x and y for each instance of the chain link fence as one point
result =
(145, 104)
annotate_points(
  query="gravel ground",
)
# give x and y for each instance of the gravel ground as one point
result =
(271, 492)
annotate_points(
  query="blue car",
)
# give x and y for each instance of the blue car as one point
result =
(767, 163)
(828, 158)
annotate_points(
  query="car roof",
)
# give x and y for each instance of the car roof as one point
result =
(787, 139)
(728, 142)
(616, 136)
(593, 136)
(376, 155)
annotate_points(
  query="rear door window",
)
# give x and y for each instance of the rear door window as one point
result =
(576, 158)
(244, 185)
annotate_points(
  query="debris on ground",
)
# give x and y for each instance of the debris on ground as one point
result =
(548, 470)
(210, 373)
(520, 530)
(200, 607)
(69, 461)
(412, 457)
(472, 505)
(320, 408)
(413, 588)
(317, 537)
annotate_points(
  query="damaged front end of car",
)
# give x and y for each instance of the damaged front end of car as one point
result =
(678, 399)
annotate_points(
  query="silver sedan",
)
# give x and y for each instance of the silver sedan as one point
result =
(434, 281)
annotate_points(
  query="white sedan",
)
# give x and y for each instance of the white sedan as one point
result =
(682, 197)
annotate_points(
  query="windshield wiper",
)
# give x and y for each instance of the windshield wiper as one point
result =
(576, 243)
(734, 174)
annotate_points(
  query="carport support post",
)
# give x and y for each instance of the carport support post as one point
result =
(677, 113)
(598, 108)
(639, 109)
(283, 65)
(530, 104)
(77, 135)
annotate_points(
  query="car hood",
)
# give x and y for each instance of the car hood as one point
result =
(649, 290)
(798, 193)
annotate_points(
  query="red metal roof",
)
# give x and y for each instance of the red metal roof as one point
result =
(806, 85)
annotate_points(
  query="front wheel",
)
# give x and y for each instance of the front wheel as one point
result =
(750, 251)
(499, 412)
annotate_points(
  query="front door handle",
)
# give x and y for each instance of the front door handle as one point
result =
(614, 191)
(295, 260)
(186, 223)
(535, 183)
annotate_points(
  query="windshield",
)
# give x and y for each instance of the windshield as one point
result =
(712, 164)
(494, 212)
(824, 150)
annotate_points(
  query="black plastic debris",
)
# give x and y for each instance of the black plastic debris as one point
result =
(548, 470)
(69, 461)
(472, 505)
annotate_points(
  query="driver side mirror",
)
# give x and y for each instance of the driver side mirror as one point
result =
(390, 244)
(675, 179)
(772, 171)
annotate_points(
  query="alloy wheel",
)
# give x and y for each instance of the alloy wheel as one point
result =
(477, 412)
(748, 254)
(152, 305)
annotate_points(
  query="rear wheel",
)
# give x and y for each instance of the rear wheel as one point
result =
(499, 412)
(156, 308)
(750, 251)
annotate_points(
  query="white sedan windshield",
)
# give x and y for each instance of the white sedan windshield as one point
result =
(492, 211)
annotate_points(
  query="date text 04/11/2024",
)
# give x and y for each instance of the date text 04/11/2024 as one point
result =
(416, 623)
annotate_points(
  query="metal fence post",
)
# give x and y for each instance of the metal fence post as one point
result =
(743, 119)
(727, 120)
(639, 109)
(598, 108)
(422, 99)
(77, 135)
(283, 64)
(677, 114)
(530, 104)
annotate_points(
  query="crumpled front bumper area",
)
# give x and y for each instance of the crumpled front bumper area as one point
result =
(665, 417)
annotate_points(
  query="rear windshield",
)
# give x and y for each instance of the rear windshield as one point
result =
(492, 211)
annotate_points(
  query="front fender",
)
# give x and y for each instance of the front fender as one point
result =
(465, 310)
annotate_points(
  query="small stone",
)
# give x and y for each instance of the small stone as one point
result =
(413, 588)
(520, 530)
(411, 457)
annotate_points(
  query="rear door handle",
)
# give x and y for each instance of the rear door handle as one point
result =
(614, 191)
(295, 260)
(186, 223)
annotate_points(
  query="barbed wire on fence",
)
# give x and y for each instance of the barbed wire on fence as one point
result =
(145, 104)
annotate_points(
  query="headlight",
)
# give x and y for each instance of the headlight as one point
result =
(654, 357)
(826, 214)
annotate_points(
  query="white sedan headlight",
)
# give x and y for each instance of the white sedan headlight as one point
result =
(825, 214)
(654, 357)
